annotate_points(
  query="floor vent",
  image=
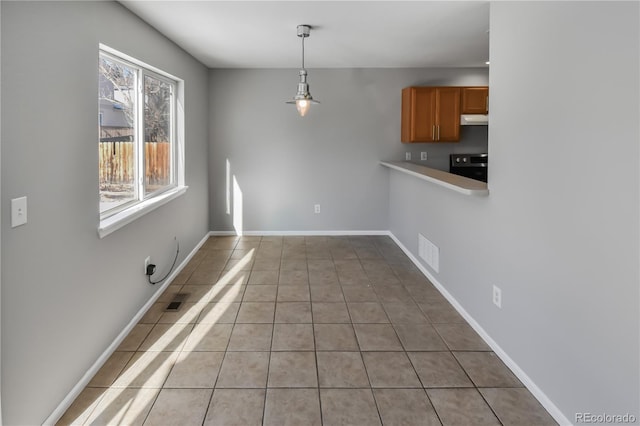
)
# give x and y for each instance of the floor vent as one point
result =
(175, 304)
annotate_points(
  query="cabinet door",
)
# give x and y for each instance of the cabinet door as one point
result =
(418, 114)
(448, 114)
(475, 100)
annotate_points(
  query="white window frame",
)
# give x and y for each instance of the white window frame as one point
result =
(126, 213)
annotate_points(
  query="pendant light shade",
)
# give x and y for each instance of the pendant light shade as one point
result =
(303, 98)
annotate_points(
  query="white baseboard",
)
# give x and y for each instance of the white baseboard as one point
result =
(298, 233)
(84, 381)
(221, 233)
(520, 374)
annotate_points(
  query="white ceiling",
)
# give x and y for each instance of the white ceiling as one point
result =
(345, 34)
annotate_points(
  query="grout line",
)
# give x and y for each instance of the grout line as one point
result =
(266, 384)
(315, 354)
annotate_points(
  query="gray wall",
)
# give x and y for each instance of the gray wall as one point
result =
(65, 293)
(559, 232)
(284, 164)
(0, 220)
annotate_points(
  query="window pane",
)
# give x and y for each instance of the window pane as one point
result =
(157, 134)
(117, 143)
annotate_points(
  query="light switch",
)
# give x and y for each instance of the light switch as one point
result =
(18, 211)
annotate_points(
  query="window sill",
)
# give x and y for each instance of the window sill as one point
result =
(118, 220)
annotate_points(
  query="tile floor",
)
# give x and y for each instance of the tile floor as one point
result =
(304, 331)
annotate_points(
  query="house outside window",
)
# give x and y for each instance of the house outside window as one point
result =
(140, 149)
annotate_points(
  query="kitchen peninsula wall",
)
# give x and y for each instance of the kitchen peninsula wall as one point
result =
(560, 242)
(283, 164)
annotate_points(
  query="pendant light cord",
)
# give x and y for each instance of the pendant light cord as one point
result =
(303, 51)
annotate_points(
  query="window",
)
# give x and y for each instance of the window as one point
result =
(139, 143)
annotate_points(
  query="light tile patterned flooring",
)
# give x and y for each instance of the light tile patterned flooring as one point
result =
(304, 331)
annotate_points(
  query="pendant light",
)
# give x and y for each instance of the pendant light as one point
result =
(303, 98)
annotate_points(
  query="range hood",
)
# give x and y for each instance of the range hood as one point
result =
(474, 119)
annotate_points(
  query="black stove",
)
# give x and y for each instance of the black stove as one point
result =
(473, 166)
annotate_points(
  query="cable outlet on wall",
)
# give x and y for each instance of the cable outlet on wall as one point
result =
(147, 262)
(316, 208)
(497, 296)
(423, 156)
(407, 156)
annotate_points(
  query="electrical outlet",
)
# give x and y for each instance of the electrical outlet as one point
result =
(18, 211)
(407, 156)
(316, 208)
(423, 156)
(147, 262)
(497, 296)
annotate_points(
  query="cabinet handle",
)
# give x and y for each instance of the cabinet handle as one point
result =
(486, 104)
(438, 132)
(433, 132)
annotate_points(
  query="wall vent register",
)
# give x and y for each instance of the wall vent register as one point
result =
(429, 252)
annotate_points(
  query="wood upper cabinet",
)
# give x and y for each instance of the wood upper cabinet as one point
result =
(448, 114)
(430, 114)
(475, 100)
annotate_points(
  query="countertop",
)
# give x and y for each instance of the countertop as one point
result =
(456, 183)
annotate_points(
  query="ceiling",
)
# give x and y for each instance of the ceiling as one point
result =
(345, 34)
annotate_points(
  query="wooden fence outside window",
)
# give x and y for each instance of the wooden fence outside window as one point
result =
(117, 163)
